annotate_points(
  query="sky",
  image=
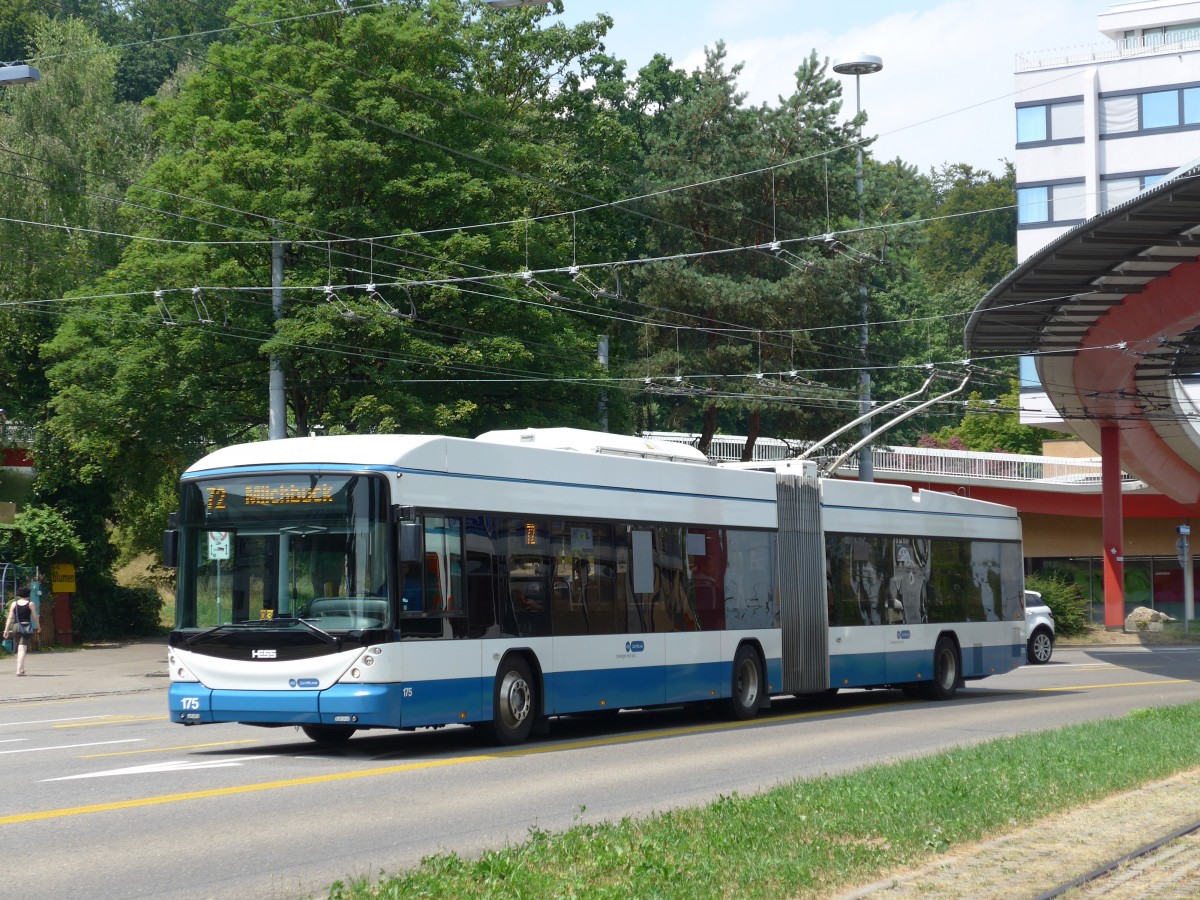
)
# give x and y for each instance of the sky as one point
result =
(945, 93)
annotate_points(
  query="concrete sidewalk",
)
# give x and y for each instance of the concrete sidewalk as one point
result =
(89, 670)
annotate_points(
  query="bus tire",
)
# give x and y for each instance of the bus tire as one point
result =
(329, 734)
(746, 688)
(944, 683)
(514, 701)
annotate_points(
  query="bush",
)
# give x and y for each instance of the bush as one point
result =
(1065, 600)
(118, 613)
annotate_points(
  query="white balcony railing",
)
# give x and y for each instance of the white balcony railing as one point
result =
(1052, 473)
(958, 467)
(1149, 45)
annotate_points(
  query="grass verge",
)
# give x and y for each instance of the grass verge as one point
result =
(814, 836)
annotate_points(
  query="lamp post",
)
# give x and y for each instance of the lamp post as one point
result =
(14, 74)
(860, 64)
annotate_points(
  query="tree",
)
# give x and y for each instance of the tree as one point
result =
(329, 131)
(996, 426)
(67, 151)
(974, 231)
(724, 318)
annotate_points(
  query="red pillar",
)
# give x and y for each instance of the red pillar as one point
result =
(1113, 527)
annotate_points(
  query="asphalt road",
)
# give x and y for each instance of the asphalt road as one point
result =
(107, 798)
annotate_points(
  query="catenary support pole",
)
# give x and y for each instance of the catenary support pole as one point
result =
(277, 413)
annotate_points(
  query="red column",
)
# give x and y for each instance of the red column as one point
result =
(1113, 527)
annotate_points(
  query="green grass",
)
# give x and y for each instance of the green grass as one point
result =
(813, 836)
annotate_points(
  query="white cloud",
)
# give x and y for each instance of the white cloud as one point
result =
(945, 92)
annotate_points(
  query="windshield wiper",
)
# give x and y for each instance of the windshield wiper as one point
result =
(253, 624)
(319, 632)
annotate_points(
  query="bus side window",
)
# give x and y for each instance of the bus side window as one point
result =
(411, 587)
(443, 564)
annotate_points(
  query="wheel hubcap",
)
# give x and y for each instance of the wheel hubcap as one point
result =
(949, 675)
(1041, 647)
(748, 683)
(514, 699)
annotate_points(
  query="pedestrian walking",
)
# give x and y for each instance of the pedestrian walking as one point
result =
(22, 622)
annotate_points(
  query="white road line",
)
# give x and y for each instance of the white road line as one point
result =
(45, 749)
(179, 765)
(48, 721)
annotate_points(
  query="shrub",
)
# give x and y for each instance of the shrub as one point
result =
(117, 613)
(1065, 600)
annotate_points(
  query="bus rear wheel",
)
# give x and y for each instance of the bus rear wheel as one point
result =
(747, 684)
(514, 703)
(329, 734)
(944, 683)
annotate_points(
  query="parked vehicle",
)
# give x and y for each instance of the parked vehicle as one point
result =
(1039, 629)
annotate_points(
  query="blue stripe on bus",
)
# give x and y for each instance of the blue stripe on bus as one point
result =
(897, 667)
(470, 699)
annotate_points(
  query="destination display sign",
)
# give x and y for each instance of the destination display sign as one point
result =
(222, 496)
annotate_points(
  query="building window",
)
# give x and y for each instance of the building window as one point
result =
(1051, 204)
(1054, 122)
(1191, 106)
(1160, 109)
(1033, 205)
(1118, 115)
(1171, 109)
(1116, 189)
(1031, 124)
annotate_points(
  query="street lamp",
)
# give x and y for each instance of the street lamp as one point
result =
(860, 64)
(14, 74)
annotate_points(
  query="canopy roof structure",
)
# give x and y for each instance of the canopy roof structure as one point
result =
(1111, 312)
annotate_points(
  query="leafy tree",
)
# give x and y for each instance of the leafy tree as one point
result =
(729, 316)
(39, 536)
(995, 426)
(974, 231)
(385, 121)
(67, 149)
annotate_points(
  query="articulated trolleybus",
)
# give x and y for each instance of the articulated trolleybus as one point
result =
(404, 581)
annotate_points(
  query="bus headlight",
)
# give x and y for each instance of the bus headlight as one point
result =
(368, 660)
(177, 670)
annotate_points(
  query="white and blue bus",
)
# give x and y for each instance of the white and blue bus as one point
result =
(404, 581)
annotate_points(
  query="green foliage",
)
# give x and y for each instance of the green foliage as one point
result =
(404, 120)
(963, 242)
(811, 838)
(1065, 600)
(995, 427)
(115, 612)
(40, 536)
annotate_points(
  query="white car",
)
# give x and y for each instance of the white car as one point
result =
(1039, 629)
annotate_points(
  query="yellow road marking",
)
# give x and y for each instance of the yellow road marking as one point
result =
(1095, 687)
(114, 720)
(407, 767)
(168, 749)
(9, 704)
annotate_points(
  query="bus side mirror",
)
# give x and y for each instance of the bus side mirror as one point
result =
(170, 548)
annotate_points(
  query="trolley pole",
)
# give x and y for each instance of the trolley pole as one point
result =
(277, 412)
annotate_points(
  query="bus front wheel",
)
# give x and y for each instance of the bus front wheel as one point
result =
(944, 683)
(747, 685)
(514, 704)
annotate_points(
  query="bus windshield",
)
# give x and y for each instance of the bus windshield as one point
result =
(264, 547)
